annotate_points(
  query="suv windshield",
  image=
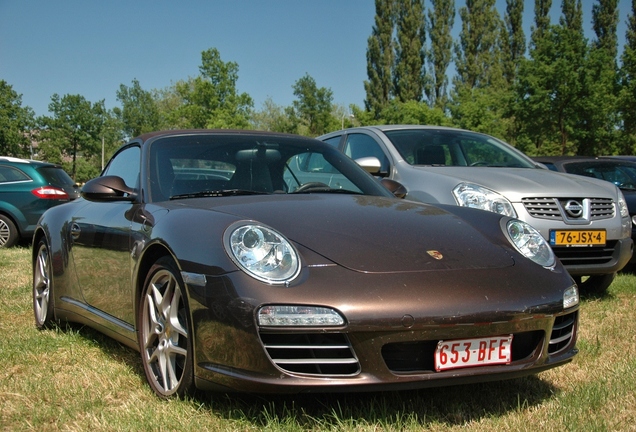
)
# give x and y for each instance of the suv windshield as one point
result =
(454, 148)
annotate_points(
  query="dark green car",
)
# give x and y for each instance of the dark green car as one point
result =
(27, 189)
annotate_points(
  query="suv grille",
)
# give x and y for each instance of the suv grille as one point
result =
(562, 332)
(326, 354)
(554, 208)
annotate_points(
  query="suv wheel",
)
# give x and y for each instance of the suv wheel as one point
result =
(8, 232)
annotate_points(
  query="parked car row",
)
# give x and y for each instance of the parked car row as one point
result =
(265, 262)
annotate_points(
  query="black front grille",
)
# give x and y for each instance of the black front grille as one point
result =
(418, 357)
(562, 332)
(311, 353)
(592, 255)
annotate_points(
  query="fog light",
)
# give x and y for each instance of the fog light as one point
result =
(570, 297)
(294, 316)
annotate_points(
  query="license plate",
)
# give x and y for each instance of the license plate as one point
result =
(462, 353)
(577, 238)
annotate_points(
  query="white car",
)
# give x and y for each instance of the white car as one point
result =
(585, 220)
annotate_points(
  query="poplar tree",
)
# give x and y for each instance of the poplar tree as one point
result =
(513, 40)
(627, 95)
(477, 54)
(380, 58)
(550, 82)
(479, 87)
(439, 25)
(409, 72)
(600, 84)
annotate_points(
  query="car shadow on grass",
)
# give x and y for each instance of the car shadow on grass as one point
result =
(447, 406)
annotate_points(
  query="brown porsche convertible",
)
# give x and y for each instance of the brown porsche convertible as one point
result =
(261, 262)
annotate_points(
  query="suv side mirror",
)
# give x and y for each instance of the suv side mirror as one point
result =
(370, 164)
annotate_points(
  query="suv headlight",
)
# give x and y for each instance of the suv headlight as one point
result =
(475, 196)
(530, 243)
(261, 252)
(622, 205)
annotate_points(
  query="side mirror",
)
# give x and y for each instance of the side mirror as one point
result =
(370, 164)
(108, 188)
(396, 188)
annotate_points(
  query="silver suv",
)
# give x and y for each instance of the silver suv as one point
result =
(585, 220)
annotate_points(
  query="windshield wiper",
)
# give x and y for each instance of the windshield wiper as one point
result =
(218, 193)
(328, 190)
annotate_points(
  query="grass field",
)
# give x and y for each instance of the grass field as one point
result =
(75, 379)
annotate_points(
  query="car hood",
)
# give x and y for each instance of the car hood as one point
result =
(369, 234)
(517, 183)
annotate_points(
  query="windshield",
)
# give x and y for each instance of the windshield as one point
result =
(441, 147)
(230, 165)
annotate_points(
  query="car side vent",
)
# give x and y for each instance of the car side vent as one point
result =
(324, 354)
(543, 208)
(601, 208)
(562, 332)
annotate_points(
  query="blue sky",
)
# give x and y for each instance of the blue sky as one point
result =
(90, 47)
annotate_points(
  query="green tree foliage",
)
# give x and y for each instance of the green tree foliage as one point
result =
(513, 40)
(439, 24)
(73, 132)
(408, 76)
(413, 112)
(310, 112)
(211, 100)
(271, 117)
(550, 84)
(479, 86)
(16, 122)
(596, 133)
(380, 58)
(627, 95)
(139, 113)
(477, 57)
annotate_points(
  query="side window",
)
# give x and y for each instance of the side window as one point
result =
(360, 145)
(334, 141)
(126, 164)
(10, 174)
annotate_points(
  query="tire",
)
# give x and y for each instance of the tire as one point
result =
(43, 287)
(596, 284)
(9, 235)
(165, 336)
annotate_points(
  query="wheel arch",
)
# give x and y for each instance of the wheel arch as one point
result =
(149, 257)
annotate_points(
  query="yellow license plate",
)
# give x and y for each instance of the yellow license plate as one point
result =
(578, 238)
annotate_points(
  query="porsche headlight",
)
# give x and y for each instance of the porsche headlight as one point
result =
(262, 252)
(475, 196)
(530, 243)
